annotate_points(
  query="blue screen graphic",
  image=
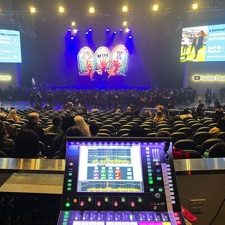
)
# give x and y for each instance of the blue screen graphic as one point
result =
(10, 48)
(203, 44)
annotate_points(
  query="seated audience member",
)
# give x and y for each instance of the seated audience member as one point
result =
(67, 122)
(218, 114)
(95, 109)
(80, 109)
(200, 110)
(6, 145)
(94, 129)
(13, 115)
(27, 144)
(55, 128)
(33, 119)
(3, 114)
(71, 132)
(127, 112)
(147, 113)
(158, 117)
(69, 106)
(163, 133)
(214, 132)
(12, 132)
(159, 107)
(137, 131)
(82, 126)
(185, 114)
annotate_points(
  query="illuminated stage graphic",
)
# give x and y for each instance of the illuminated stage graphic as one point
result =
(110, 170)
(103, 62)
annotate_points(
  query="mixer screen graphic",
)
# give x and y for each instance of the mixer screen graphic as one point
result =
(111, 169)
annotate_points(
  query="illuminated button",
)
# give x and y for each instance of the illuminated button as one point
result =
(151, 189)
(69, 189)
(139, 200)
(99, 203)
(89, 199)
(132, 204)
(106, 199)
(82, 203)
(123, 199)
(70, 174)
(159, 178)
(71, 164)
(67, 204)
(115, 204)
(149, 174)
(160, 190)
(69, 180)
(69, 184)
(150, 181)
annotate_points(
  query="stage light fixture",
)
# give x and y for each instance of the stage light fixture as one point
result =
(155, 7)
(72, 38)
(114, 32)
(130, 37)
(33, 10)
(61, 9)
(125, 23)
(73, 23)
(75, 31)
(86, 33)
(121, 30)
(91, 9)
(194, 6)
(107, 30)
(127, 30)
(90, 30)
(125, 8)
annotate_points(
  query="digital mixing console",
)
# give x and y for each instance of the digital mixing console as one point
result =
(115, 181)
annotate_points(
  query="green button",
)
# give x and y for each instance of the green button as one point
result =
(69, 180)
(70, 174)
(66, 212)
(68, 189)
(65, 223)
(69, 185)
(159, 178)
(160, 190)
(67, 204)
(150, 181)
(151, 189)
(149, 174)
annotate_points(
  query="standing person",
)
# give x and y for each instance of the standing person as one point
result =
(200, 42)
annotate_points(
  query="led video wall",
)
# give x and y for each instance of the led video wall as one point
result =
(103, 61)
(203, 44)
(10, 48)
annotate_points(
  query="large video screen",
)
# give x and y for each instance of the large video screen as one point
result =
(111, 168)
(10, 48)
(203, 44)
(103, 61)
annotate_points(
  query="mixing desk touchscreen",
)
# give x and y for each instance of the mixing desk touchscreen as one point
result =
(115, 181)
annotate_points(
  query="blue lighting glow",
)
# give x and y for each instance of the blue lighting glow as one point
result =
(107, 30)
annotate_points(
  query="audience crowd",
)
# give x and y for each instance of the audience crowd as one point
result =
(41, 132)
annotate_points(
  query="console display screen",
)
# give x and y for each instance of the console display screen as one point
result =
(110, 168)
